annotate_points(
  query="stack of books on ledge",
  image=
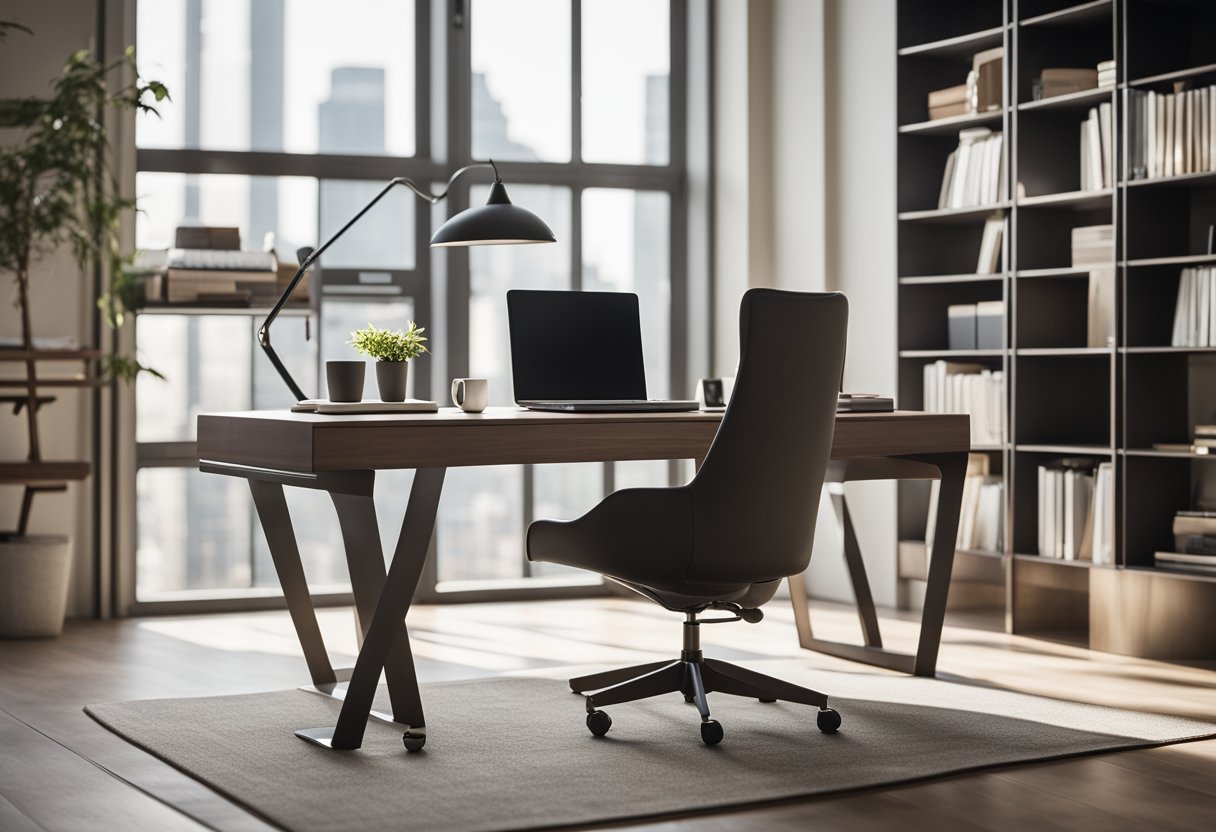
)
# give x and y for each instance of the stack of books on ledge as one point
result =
(1204, 442)
(1093, 245)
(1195, 311)
(1097, 149)
(1171, 133)
(975, 170)
(1194, 544)
(952, 387)
(981, 524)
(981, 92)
(207, 267)
(1054, 81)
(1076, 510)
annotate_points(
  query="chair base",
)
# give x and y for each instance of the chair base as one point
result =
(694, 677)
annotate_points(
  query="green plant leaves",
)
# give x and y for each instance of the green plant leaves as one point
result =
(389, 344)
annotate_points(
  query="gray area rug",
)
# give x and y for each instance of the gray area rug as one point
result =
(514, 753)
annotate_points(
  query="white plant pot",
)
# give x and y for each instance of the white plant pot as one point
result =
(34, 574)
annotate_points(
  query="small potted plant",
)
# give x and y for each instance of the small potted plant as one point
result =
(392, 349)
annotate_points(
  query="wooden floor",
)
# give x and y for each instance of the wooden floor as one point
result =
(61, 771)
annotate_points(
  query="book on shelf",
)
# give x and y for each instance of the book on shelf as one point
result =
(960, 326)
(1195, 308)
(953, 387)
(975, 171)
(982, 510)
(1054, 81)
(1177, 561)
(986, 68)
(1075, 510)
(990, 324)
(1097, 149)
(1100, 324)
(1171, 133)
(864, 403)
(1195, 533)
(990, 245)
(1093, 245)
(1108, 73)
(951, 101)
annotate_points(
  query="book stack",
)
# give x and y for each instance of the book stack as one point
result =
(1108, 73)
(949, 102)
(981, 522)
(981, 92)
(1172, 134)
(1064, 80)
(952, 387)
(1194, 544)
(220, 276)
(1093, 245)
(1076, 510)
(1097, 149)
(1195, 310)
(1202, 442)
(975, 170)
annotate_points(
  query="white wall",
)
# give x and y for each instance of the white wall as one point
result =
(805, 179)
(60, 298)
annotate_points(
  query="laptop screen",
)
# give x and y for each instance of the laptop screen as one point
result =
(575, 345)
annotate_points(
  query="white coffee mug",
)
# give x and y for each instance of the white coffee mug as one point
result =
(470, 394)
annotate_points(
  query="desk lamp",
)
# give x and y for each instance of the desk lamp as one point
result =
(496, 223)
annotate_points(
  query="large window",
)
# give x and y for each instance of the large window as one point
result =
(287, 116)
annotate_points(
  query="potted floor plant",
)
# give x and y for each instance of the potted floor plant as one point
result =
(56, 191)
(392, 349)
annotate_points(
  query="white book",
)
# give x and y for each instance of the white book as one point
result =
(997, 165)
(1196, 307)
(1159, 140)
(1150, 162)
(1048, 518)
(958, 188)
(1095, 150)
(1086, 185)
(1104, 514)
(928, 377)
(1002, 177)
(1042, 484)
(1211, 275)
(1168, 152)
(1181, 313)
(1105, 134)
(1203, 316)
(1179, 135)
(943, 198)
(990, 245)
(988, 521)
(1212, 127)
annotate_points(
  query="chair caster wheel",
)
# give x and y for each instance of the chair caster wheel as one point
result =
(413, 740)
(711, 732)
(598, 723)
(768, 701)
(828, 720)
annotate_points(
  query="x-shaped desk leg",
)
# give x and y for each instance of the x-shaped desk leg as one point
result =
(386, 634)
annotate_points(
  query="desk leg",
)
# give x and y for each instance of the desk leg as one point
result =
(953, 469)
(387, 633)
(271, 505)
(365, 561)
(857, 567)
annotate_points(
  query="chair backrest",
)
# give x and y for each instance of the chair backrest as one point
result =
(756, 496)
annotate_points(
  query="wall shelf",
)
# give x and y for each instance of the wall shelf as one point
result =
(953, 124)
(1065, 399)
(962, 45)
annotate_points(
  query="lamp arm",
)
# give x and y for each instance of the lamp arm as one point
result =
(313, 256)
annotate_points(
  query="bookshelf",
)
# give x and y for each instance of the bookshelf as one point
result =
(1066, 394)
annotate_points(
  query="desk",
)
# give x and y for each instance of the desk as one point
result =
(340, 455)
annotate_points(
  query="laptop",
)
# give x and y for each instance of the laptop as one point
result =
(580, 352)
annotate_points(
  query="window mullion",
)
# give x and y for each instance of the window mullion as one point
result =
(576, 81)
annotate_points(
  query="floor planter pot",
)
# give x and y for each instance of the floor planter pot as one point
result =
(34, 573)
(390, 379)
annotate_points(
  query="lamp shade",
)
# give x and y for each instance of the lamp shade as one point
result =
(496, 223)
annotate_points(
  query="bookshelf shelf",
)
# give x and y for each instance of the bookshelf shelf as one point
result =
(1064, 271)
(247, 311)
(1080, 200)
(946, 126)
(1062, 399)
(969, 214)
(1205, 179)
(1154, 453)
(1066, 450)
(1050, 352)
(1176, 75)
(926, 280)
(956, 354)
(1081, 100)
(962, 45)
(1083, 14)
(1183, 260)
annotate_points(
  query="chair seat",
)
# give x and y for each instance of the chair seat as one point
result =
(749, 597)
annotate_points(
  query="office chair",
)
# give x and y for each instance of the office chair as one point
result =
(725, 540)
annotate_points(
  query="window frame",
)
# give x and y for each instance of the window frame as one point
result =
(443, 142)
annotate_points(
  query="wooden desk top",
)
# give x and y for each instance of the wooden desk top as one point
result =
(311, 442)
